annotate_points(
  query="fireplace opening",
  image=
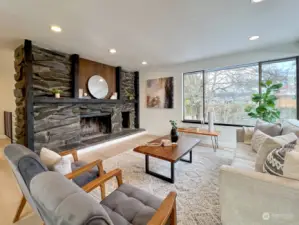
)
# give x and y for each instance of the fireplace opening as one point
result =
(126, 119)
(93, 126)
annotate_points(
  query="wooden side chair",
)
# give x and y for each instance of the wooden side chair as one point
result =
(82, 172)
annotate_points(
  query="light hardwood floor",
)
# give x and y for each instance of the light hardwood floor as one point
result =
(10, 194)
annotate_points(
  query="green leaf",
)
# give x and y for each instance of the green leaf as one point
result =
(256, 98)
(263, 84)
(275, 87)
(253, 115)
(268, 82)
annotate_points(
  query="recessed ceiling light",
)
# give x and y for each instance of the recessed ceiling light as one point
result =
(144, 63)
(112, 51)
(256, 1)
(253, 38)
(56, 29)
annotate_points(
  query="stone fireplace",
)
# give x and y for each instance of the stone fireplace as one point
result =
(70, 121)
(94, 126)
(125, 119)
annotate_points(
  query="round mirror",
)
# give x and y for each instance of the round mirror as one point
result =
(97, 86)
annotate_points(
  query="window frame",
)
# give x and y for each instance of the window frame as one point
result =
(260, 72)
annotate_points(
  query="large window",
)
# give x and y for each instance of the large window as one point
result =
(193, 96)
(228, 91)
(284, 72)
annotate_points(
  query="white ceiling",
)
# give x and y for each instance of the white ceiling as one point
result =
(158, 31)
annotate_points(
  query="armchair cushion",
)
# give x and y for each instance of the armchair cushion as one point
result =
(86, 177)
(65, 202)
(130, 205)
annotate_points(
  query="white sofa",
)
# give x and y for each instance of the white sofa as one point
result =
(252, 198)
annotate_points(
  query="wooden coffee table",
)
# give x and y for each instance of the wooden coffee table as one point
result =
(213, 134)
(171, 154)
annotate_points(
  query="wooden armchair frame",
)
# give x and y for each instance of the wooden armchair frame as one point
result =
(72, 175)
(167, 209)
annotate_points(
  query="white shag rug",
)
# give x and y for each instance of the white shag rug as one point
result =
(196, 184)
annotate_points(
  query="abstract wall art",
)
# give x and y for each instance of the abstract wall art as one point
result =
(159, 93)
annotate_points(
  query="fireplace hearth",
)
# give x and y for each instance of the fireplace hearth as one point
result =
(94, 126)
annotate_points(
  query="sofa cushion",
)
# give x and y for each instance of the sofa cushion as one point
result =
(269, 144)
(275, 160)
(243, 164)
(130, 205)
(290, 126)
(258, 139)
(291, 165)
(248, 133)
(244, 151)
(86, 177)
(272, 129)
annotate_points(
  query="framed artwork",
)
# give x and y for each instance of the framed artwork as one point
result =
(159, 93)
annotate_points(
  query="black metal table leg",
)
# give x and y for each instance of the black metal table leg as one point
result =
(214, 142)
(188, 160)
(168, 179)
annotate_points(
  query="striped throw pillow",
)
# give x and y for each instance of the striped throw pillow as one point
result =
(275, 160)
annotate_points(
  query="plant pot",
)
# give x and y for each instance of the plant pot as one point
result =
(57, 95)
(174, 135)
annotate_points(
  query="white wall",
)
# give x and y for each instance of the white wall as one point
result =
(156, 121)
(7, 100)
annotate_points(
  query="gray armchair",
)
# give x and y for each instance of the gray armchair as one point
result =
(59, 201)
(82, 172)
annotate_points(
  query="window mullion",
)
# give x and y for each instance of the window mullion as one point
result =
(203, 96)
(297, 86)
(260, 77)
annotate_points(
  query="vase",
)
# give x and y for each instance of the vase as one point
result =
(211, 121)
(57, 95)
(174, 135)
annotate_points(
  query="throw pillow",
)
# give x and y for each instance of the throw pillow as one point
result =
(49, 157)
(64, 166)
(291, 165)
(272, 129)
(290, 126)
(270, 144)
(248, 133)
(276, 159)
(258, 138)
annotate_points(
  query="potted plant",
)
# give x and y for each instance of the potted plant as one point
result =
(57, 92)
(129, 95)
(173, 133)
(264, 106)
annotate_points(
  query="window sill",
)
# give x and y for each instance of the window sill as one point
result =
(216, 124)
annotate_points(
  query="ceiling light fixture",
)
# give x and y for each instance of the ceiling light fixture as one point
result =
(253, 38)
(112, 51)
(144, 63)
(56, 29)
(256, 1)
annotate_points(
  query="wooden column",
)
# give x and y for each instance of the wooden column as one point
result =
(118, 81)
(136, 87)
(75, 75)
(29, 141)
